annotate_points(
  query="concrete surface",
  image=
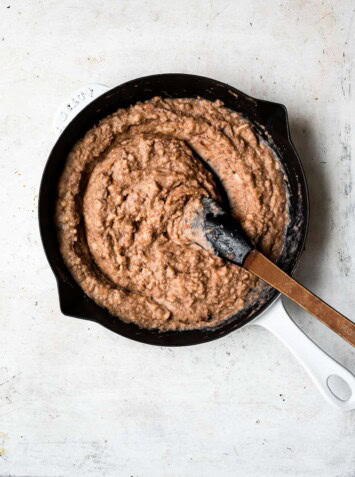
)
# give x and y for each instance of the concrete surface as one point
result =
(77, 400)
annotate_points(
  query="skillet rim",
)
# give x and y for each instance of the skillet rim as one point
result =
(71, 307)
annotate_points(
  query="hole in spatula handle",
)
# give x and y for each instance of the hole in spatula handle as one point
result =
(339, 387)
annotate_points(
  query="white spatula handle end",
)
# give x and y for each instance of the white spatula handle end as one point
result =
(316, 362)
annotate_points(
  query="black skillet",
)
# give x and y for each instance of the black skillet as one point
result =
(270, 121)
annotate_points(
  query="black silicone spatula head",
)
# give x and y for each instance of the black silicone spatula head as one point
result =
(223, 232)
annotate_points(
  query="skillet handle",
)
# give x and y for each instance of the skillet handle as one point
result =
(75, 103)
(315, 361)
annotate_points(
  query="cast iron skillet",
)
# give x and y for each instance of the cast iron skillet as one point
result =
(270, 121)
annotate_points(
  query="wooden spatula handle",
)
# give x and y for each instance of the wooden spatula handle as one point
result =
(270, 273)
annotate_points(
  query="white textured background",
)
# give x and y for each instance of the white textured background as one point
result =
(77, 400)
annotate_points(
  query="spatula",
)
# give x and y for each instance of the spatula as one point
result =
(228, 241)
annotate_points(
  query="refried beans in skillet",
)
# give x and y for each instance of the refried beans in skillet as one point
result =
(121, 200)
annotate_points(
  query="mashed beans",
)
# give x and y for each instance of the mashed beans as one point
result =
(122, 196)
